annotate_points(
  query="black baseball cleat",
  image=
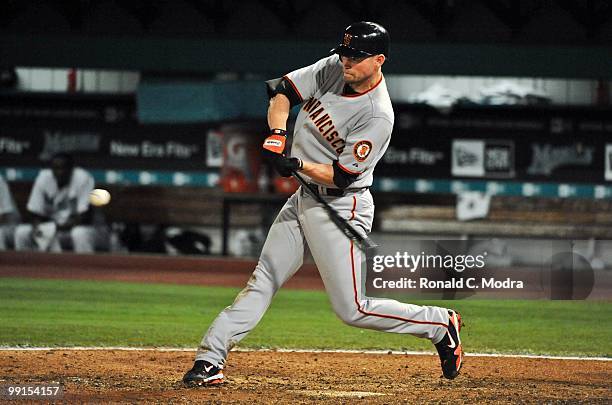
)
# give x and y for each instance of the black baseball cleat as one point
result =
(450, 349)
(203, 373)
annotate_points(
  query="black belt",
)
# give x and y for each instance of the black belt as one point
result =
(334, 192)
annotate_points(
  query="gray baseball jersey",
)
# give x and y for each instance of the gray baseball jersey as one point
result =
(48, 200)
(7, 205)
(354, 129)
(8, 208)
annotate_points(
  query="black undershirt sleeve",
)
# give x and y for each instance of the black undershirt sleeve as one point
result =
(342, 179)
(282, 86)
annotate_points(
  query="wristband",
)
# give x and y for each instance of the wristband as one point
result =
(278, 131)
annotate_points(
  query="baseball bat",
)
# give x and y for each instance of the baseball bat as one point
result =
(363, 241)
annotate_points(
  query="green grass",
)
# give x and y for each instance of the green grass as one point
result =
(88, 313)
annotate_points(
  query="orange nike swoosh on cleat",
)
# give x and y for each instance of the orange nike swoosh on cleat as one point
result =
(459, 357)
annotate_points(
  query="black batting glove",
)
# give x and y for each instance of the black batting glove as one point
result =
(286, 166)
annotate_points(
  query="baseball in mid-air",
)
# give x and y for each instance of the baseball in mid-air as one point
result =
(99, 197)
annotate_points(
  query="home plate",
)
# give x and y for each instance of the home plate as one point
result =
(337, 394)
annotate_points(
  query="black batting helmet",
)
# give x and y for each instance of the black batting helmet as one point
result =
(363, 39)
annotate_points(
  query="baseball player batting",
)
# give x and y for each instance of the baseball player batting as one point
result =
(342, 130)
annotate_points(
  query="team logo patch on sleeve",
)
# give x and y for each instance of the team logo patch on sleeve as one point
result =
(346, 41)
(362, 150)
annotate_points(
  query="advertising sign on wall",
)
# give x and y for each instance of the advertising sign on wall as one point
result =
(482, 158)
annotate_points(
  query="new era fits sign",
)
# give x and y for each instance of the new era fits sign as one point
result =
(482, 158)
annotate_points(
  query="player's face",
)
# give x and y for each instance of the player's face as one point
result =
(61, 171)
(360, 70)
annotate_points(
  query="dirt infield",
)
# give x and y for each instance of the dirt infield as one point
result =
(274, 377)
(271, 377)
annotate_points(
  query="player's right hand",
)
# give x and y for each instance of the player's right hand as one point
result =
(287, 166)
(274, 145)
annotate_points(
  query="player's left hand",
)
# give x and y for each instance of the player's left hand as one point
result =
(286, 166)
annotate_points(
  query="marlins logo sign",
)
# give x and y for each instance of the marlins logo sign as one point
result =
(362, 150)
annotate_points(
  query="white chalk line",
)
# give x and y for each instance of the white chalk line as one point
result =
(314, 351)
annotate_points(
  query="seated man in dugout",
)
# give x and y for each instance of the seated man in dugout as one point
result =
(60, 211)
(9, 216)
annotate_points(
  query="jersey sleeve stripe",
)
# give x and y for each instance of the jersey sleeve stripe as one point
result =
(294, 87)
(347, 170)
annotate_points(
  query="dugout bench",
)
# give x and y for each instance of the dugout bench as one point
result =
(399, 213)
(508, 216)
(180, 206)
